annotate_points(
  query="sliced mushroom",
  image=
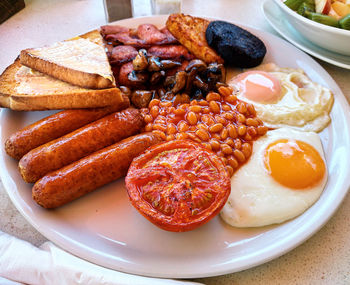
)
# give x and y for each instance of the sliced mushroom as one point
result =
(156, 77)
(189, 83)
(140, 62)
(141, 98)
(138, 77)
(180, 82)
(169, 81)
(216, 70)
(168, 64)
(196, 63)
(199, 83)
(155, 64)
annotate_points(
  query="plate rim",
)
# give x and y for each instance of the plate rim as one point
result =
(278, 252)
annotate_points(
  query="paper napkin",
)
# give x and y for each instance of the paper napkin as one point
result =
(22, 262)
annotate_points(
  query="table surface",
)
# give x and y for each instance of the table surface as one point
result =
(323, 259)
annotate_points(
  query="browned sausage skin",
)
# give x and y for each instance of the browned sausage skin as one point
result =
(83, 176)
(55, 126)
(82, 142)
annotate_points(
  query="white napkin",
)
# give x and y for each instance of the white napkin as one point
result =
(20, 261)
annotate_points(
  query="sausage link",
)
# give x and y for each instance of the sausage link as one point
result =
(82, 142)
(55, 126)
(81, 177)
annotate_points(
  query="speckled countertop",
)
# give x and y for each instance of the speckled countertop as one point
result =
(323, 259)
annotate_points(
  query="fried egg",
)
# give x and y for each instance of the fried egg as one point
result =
(285, 97)
(285, 175)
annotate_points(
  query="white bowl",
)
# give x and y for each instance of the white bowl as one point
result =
(331, 38)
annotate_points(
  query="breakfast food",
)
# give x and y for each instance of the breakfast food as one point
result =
(55, 126)
(144, 36)
(78, 61)
(221, 123)
(87, 174)
(285, 176)
(178, 185)
(285, 97)
(190, 32)
(334, 13)
(197, 131)
(235, 45)
(79, 143)
(25, 89)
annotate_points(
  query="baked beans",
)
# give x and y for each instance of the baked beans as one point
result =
(222, 123)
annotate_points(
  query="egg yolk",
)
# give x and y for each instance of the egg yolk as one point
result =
(259, 86)
(294, 164)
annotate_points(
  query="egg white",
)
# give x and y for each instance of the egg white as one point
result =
(304, 108)
(256, 199)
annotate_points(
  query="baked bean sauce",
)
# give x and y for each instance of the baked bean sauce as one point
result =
(221, 122)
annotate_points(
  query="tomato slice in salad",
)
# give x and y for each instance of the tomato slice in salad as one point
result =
(178, 185)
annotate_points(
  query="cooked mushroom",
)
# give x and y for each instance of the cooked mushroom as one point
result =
(169, 81)
(140, 62)
(168, 64)
(180, 82)
(199, 83)
(189, 83)
(138, 77)
(156, 77)
(141, 98)
(198, 64)
(154, 64)
(216, 70)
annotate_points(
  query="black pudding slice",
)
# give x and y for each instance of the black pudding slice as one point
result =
(235, 45)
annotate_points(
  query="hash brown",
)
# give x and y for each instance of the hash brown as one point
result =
(190, 32)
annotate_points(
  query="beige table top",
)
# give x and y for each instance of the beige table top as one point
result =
(323, 259)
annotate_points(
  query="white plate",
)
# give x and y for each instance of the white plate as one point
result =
(104, 228)
(284, 28)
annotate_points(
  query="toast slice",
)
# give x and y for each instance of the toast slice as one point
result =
(79, 61)
(190, 32)
(24, 89)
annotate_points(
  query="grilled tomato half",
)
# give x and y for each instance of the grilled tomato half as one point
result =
(178, 185)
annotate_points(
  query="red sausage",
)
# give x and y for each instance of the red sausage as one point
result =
(55, 126)
(82, 142)
(83, 176)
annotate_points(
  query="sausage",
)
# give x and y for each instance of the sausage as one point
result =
(82, 142)
(83, 176)
(55, 126)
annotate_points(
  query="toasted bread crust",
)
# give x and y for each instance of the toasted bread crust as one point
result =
(82, 98)
(75, 77)
(190, 32)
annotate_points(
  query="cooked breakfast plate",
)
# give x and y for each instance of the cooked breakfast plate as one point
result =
(104, 228)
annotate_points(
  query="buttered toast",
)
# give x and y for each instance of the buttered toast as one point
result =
(25, 89)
